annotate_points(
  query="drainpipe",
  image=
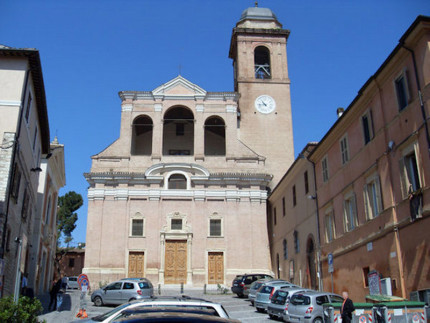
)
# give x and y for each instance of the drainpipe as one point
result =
(15, 150)
(420, 96)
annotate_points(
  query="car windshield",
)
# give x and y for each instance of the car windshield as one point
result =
(104, 316)
(300, 300)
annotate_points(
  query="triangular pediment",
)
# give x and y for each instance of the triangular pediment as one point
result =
(179, 87)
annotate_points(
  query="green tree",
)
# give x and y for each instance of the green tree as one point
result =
(66, 219)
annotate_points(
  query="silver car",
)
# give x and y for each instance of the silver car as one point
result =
(265, 293)
(255, 286)
(72, 282)
(179, 302)
(122, 291)
(307, 307)
(279, 300)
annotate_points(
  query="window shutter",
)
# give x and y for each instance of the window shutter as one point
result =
(403, 179)
(354, 210)
(379, 195)
(366, 202)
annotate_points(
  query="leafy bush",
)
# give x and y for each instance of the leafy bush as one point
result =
(26, 310)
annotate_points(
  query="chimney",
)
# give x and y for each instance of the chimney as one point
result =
(340, 111)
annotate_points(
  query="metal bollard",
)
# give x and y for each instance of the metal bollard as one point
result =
(182, 288)
(159, 289)
(204, 289)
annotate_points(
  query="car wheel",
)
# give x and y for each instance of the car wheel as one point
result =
(272, 317)
(98, 301)
(318, 320)
(260, 310)
(239, 295)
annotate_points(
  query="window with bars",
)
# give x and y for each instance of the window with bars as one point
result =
(137, 227)
(215, 228)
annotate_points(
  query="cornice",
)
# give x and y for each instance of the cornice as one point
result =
(120, 194)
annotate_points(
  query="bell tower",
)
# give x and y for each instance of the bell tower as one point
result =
(259, 53)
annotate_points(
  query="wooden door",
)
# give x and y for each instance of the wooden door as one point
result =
(136, 264)
(175, 262)
(215, 268)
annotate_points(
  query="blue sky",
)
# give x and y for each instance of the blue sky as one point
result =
(90, 50)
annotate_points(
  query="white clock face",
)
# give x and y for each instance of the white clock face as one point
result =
(265, 104)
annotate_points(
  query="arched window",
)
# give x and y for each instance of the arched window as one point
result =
(214, 137)
(177, 182)
(262, 63)
(142, 136)
(311, 263)
(178, 132)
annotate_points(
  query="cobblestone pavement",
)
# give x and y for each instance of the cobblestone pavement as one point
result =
(237, 308)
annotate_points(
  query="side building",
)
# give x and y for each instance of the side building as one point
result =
(44, 240)
(183, 190)
(24, 131)
(293, 224)
(372, 178)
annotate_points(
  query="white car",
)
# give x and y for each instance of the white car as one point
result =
(167, 301)
(72, 282)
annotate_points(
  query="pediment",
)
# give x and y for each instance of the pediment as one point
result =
(192, 169)
(179, 87)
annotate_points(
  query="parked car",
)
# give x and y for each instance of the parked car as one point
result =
(241, 283)
(175, 317)
(180, 302)
(255, 286)
(307, 307)
(72, 282)
(266, 291)
(280, 298)
(122, 291)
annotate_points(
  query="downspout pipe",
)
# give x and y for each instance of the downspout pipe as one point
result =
(420, 96)
(15, 151)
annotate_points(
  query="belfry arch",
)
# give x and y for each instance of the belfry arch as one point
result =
(214, 136)
(262, 63)
(141, 143)
(178, 132)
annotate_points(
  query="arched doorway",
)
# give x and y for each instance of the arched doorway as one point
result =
(311, 264)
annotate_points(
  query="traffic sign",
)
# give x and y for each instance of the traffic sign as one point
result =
(83, 280)
(330, 263)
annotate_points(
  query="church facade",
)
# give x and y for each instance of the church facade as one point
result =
(180, 196)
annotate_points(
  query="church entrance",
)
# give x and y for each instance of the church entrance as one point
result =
(176, 262)
(136, 264)
(215, 268)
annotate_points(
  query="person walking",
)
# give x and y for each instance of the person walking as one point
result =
(53, 294)
(347, 308)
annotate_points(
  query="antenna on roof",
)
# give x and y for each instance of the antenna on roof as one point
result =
(179, 69)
